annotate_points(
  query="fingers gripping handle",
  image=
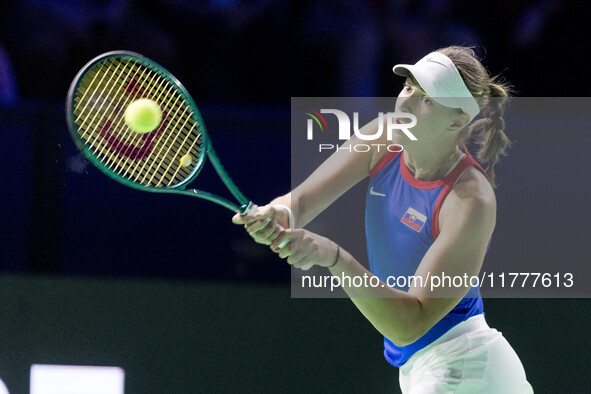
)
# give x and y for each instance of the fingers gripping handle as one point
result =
(251, 208)
(291, 225)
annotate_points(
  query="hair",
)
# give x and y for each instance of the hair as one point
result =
(492, 94)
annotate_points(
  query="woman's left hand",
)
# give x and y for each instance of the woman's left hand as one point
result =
(304, 248)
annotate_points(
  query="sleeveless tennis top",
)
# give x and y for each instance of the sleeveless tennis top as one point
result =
(401, 223)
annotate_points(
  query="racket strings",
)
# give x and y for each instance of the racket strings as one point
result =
(163, 156)
(150, 159)
(132, 151)
(119, 144)
(133, 146)
(191, 146)
(106, 137)
(99, 101)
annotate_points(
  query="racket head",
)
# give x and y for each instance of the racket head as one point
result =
(95, 108)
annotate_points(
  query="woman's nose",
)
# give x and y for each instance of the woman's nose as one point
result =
(404, 103)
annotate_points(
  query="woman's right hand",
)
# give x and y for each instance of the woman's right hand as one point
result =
(265, 224)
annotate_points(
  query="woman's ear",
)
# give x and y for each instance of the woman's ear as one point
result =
(460, 121)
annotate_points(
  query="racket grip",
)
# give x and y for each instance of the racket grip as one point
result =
(248, 209)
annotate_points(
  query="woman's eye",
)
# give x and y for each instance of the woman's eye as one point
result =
(406, 88)
(426, 100)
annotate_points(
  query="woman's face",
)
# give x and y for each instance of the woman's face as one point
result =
(434, 121)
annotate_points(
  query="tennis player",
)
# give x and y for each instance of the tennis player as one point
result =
(430, 212)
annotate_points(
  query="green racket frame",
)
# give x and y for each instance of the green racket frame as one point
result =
(245, 206)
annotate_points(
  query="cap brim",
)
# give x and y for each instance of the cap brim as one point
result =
(402, 70)
(423, 79)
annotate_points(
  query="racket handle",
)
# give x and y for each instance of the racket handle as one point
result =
(248, 209)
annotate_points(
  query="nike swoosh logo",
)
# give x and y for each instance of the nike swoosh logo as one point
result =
(376, 193)
(435, 61)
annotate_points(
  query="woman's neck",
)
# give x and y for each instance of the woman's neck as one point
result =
(431, 164)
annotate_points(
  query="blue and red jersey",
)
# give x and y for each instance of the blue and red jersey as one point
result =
(401, 221)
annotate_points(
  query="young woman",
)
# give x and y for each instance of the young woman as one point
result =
(430, 213)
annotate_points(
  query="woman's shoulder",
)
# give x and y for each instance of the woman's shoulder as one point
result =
(472, 200)
(473, 187)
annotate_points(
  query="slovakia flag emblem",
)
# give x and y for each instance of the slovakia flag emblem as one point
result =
(414, 219)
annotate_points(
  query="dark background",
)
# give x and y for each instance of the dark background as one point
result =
(165, 286)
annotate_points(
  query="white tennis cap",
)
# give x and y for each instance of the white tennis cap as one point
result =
(441, 80)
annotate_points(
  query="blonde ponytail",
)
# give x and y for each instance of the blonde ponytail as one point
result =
(489, 131)
(492, 94)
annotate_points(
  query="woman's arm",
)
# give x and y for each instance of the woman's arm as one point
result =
(341, 171)
(466, 224)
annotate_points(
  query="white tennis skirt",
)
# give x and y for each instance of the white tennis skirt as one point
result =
(470, 358)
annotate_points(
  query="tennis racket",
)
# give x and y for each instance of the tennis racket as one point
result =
(164, 160)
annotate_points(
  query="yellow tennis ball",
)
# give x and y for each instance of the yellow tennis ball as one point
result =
(143, 115)
(186, 160)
